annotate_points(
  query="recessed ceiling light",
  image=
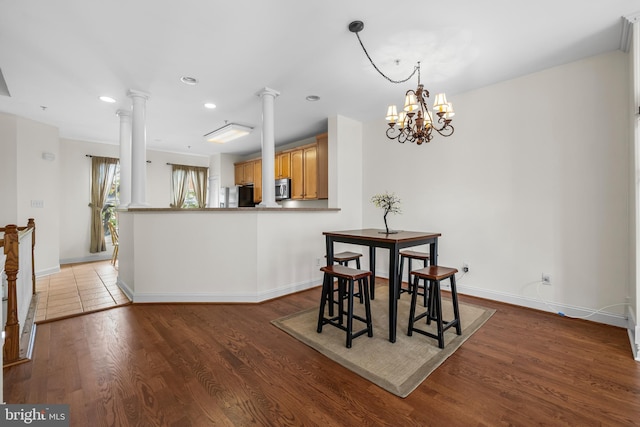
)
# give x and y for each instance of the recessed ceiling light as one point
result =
(192, 81)
(108, 99)
(313, 98)
(210, 105)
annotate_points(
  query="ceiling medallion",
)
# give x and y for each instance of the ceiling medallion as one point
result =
(415, 123)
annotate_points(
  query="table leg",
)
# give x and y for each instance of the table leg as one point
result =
(329, 249)
(393, 291)
(372, 268)
(433, 252)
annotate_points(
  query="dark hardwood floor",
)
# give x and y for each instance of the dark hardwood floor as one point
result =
(225, 364)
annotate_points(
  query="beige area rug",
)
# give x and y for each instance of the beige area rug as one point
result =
(397, 367)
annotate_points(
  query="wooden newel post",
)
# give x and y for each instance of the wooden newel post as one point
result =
(11, 349)
(32, 224)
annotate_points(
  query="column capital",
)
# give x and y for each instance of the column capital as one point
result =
(267, 91)
(132, 93)
(123, 113)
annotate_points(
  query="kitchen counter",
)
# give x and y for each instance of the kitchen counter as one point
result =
(222, 210)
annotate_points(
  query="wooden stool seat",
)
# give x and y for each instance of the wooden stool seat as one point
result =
(346, 276)
(411, 255)
(343, 258)
(432, 277)
(346, 257)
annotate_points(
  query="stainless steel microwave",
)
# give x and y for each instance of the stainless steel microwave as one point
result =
(283, 189)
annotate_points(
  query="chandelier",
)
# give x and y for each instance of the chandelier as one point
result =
(415, 123)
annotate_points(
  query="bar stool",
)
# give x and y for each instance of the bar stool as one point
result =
(411, 255)
(432, 277)
(345, 275)
(343, 258)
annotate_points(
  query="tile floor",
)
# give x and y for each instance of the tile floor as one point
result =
(78, 288)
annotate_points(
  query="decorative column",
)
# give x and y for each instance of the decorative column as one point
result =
(125, 157)
(268, 148)
(138, 149)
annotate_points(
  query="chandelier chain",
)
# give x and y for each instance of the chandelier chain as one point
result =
(416, 68)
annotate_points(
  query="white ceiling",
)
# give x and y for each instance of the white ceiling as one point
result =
(64, 54)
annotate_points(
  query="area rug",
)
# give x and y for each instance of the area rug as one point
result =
(397, 367)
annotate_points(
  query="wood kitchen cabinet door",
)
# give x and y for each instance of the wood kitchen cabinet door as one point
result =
(248, 173)
(239, 173)
(297, 174)
(257, 181)
(310, 171)
(283, 165)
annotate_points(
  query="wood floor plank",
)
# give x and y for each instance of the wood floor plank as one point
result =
(225, 364)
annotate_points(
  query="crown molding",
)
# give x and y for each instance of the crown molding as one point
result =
(627, 30)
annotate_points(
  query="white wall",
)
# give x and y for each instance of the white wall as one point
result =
(535, 179)
(8, 170)
(75, 179)
(38, 180)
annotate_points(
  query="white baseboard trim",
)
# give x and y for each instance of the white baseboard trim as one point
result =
(633, 330)
(125, 288)
(102, 256)
(204, 297)
(48, 271)
(569, 310)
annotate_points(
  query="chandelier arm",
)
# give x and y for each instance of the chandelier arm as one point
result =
(416, 68)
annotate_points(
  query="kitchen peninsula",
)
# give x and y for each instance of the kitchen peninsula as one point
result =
(240, 254)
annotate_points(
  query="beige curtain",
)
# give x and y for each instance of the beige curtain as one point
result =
(199, 177)
(179, 185)
(103, 170)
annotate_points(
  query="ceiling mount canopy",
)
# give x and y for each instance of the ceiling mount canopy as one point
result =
(415, 123)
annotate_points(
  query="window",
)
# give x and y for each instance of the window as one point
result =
(188, 186)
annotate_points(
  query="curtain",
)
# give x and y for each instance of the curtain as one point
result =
(179, 185)
(199, 178)
(103, 170)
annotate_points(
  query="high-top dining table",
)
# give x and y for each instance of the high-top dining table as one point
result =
(375, 238)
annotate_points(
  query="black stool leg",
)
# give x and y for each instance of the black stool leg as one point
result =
(456, 311)
(400, 271)
(350, 314)
(412, 309)
(367, 306)
(323, 300)
(438, 306)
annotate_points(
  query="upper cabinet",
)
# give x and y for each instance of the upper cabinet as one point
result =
(300, 183)
(250, 173)
(307, 166)
(322, 141)
(309, 170)
(244, 173)
(283, 165)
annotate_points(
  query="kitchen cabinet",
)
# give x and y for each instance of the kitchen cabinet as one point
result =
(283, 165)
(244, 172)
(304, 172)
(322, 143)
(250, 173)
(257, 181)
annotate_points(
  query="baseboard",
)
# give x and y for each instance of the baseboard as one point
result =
(633, 330)
(48, 271)
(102, 256)
(215, 297)
(569, 310)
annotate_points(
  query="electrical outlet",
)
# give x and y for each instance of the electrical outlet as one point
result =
(465, 267)
(317, 262)
(546, 279)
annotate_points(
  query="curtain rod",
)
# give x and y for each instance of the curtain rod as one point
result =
(89, 155)
(189, 166)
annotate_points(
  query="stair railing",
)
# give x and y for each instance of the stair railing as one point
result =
(18, 297)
